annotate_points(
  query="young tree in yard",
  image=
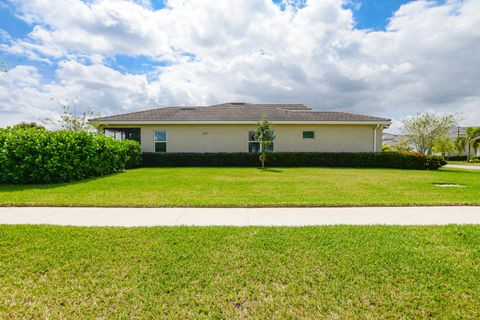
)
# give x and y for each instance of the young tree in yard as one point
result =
(460, 143)
(472, 137)
(444, 145)
(71, 121)
(265, 136)
(424, 129)
(386, 148)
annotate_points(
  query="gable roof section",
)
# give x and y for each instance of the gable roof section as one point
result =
(238, 112)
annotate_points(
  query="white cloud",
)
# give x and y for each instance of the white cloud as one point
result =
(252, 51)
(96, 87)
(104, 27)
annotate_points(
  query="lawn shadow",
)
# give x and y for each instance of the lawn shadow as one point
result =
(467, 171)
(271, 170)
(25, 186)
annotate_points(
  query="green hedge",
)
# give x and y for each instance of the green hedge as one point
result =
(134, 154)
(295, 159)
(457, 158)
(40, 156)
(434, 162)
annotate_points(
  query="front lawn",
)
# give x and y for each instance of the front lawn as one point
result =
(464, 163)
(341, 272)
(151, 187)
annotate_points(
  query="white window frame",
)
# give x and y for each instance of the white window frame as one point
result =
(155, 141)
(314, 135)
(260, 144)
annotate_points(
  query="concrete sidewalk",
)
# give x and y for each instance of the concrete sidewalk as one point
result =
(130, 217)
(462, 166)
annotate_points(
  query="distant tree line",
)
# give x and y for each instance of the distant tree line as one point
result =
(430, 133)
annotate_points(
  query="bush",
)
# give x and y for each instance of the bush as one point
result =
(474, 160)
(243, 159)
(134, 154)
(295, 159)
(39, 156)
(435, 162)
(457, 158)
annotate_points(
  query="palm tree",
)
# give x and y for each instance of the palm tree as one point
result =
(460, 143)
(472, 136)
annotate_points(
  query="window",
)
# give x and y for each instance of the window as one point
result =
(255, 146)
(160, 141)
(308, 134)
(123, 133)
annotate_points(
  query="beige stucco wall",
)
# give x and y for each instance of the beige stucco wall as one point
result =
(234, 138)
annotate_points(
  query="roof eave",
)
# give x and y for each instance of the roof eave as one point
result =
(386, 122)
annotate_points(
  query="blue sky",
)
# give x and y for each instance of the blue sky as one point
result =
(15, 28)
(374, 14)
(125, 55)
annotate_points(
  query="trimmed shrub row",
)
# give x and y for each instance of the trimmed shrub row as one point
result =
(457, 158)
(295, 159)
(40, 156)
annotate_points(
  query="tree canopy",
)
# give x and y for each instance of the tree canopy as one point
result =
(28, 125)
(71, 121)
(472, 138)
(426, 128)
(444, 145)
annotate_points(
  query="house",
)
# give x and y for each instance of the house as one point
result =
(229, 127)
(391, 139)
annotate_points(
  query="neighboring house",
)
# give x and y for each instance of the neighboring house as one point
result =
(391, 139)
(229, 127)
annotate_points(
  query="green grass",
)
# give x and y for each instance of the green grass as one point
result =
(465, 163)
(152, 187)
(341, 272)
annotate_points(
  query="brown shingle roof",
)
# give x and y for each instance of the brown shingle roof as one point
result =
(239, 112)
